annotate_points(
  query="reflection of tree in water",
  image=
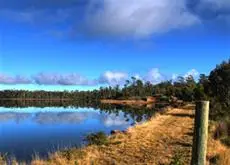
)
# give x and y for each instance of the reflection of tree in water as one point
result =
(135, 113)
(35, 103)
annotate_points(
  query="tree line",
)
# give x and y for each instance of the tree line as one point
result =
(134, 88)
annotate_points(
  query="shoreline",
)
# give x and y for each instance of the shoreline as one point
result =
(126, 102)
(152, 142)
(156, 141)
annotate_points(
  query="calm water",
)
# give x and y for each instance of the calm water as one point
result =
(28, 131)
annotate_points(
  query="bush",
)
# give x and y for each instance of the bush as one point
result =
(177, 159)
(164, 98)
(99, 138)
(219, 90)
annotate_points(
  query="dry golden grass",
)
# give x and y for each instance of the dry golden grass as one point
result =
(224, 158)
(217, 150)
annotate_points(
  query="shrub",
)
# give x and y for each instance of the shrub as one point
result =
(219, 90)
(99, 138)
(164, 98)
(177, 159)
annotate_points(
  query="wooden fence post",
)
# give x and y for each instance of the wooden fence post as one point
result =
(200, 136)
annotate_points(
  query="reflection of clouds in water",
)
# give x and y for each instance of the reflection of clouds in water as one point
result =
(47, 117)
(114, 120)
(78, 117)
(69, 117)
(11, 116)
(62, 117)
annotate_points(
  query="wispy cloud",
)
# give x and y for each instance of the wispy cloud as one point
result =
(5, 79)
(107, 78)
(154, 76)
(58, 79)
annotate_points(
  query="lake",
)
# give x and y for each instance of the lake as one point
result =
(27, 131)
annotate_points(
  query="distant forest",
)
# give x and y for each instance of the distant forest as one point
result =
(183, 89)
(214, 87)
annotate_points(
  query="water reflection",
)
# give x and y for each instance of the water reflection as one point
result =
(61, 118)
(12, 116)
(27, 129)
(134, 112)
(71, 116)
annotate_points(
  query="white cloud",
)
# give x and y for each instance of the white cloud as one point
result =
(154, 76)
(113, 78)
(138, 77)
(139, 18)
(73, 79)
(192, 72)
(46, 79)
(174, 76)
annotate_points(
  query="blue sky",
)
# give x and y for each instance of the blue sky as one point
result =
(76, 44)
